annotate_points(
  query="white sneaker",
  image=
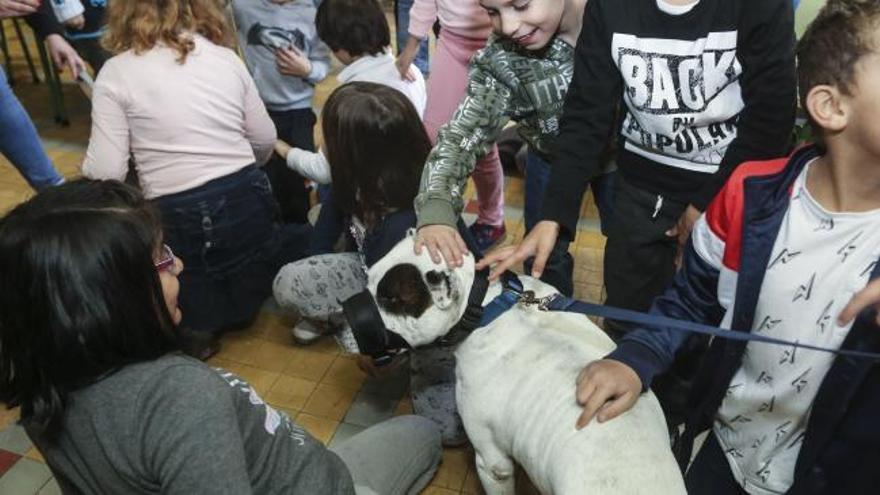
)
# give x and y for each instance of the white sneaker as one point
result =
(307, 331)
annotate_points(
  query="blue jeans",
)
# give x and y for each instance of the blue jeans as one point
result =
(559, 270)
(401, 19)
(19, 141)
(228, 234)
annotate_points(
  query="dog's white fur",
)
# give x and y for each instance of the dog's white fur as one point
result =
(515, 382)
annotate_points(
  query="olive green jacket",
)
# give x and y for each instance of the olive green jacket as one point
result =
(505, 83)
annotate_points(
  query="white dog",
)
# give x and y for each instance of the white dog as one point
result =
(515, 382)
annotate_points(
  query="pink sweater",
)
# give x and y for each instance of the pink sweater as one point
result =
(184, 124)
(462, 17)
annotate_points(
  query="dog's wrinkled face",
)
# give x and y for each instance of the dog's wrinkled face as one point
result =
(419, 300)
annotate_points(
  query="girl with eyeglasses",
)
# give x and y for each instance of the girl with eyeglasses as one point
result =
(88, 351)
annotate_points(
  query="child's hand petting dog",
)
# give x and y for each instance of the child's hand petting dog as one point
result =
(606, 388)
(282, 148)
(441, 240)
(291, 62)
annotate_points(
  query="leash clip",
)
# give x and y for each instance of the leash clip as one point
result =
(527, 298)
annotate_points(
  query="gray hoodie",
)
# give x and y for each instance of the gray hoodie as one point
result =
(265, 26)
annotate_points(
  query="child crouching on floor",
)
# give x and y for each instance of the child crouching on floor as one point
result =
(376, 146)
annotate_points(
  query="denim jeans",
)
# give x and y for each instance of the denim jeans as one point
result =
(20, 144)
(401, 20)
(228, 234)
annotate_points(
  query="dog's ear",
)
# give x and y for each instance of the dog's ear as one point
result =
(403, 292)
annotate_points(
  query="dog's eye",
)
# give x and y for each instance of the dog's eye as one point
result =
(434, 277)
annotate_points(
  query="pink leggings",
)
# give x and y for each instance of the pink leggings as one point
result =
(446, 88)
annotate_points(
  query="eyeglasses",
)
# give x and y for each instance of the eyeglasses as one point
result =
(166, 262)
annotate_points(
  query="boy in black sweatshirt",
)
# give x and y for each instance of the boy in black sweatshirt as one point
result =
(705, 85)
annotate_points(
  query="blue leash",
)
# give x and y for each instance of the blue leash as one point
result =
(513, 293)
(562, 303)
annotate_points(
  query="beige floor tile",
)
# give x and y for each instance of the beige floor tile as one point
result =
(239, 348)
(433, 490)
(218, 362)
(330, 401)
(35, 455)
(268, 323)
(404, 407)
(326, 345)
(472, 485)
(271, 356)
(290, 392)
(320, 428)
(7, 416)
(308, 364)
(344, 372)
(280, 334)
(453, 469)
(260, 380)
(591, 239)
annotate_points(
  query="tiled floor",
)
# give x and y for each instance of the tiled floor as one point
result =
(322, 389)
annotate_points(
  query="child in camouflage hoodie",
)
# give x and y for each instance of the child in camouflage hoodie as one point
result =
(522, 75)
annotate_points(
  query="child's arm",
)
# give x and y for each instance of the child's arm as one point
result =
(587, 121)
(611, 386)
(109, 146)
(422, 16)
(481, 115)
(258, 126)
(769, 88)
(319, 56)
(309, 164)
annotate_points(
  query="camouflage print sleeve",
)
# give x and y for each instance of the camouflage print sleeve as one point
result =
(481, 115)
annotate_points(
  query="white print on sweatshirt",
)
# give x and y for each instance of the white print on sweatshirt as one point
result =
(683, 98)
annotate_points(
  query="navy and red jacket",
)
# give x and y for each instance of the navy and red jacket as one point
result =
(719, 284)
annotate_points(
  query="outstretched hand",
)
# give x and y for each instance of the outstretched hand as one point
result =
(441, 240)
(539, 243)
(64, 55)
(606, 389)
(15, 8)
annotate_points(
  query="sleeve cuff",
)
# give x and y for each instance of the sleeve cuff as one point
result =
(318, 72)
(67, 10)
(640, 358)
(436, 212)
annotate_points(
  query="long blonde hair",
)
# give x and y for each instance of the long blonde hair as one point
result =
(139, 24)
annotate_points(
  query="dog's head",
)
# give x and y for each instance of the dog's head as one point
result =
(418, 300)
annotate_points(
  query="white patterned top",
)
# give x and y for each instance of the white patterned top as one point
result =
(819, 260)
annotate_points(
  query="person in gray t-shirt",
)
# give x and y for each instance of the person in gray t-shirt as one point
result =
(88, 315)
